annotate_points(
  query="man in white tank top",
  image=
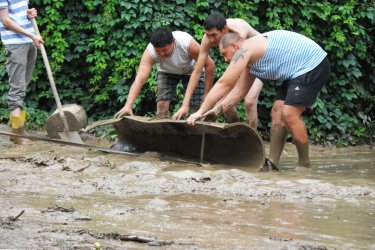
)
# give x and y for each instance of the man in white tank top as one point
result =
(216, 26)
(175, 54)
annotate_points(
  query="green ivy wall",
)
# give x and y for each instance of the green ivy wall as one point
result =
(95, 47)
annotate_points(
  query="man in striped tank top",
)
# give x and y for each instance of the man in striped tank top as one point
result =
(296, 60)
(20, 42)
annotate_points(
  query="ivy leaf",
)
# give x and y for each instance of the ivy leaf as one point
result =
(356, 72)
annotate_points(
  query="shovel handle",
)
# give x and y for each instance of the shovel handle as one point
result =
(50, 77)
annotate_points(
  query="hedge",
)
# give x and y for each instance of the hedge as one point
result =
(95, 48)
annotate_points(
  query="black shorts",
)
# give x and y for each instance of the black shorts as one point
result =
(303, 90)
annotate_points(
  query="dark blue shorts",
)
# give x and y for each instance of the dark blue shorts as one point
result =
(303, 90)
(167, 83)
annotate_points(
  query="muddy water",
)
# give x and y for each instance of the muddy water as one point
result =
(73, 197)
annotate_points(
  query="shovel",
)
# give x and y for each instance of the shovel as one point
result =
(67, 135)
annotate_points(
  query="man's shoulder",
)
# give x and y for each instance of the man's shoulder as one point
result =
(182, 38)
(180, 33)
(236, 21)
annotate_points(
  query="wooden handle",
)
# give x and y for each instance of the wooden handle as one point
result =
(50, 77)
(35, 26)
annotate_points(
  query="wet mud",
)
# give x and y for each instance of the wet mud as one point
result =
(61, 197)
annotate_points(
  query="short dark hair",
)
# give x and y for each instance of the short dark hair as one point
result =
(215, 20)
(161, 37)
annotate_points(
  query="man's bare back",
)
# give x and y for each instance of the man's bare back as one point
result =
(241, 27)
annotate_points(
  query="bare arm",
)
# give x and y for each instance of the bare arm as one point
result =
(225, 83)
(202, 59)
(209, 66)
(31, 13)
(237, 94)
(250, 52)
(143, 73)
(239, 91)
(200, 55)
(209, 74)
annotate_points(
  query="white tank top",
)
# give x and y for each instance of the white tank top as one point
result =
(180, 61)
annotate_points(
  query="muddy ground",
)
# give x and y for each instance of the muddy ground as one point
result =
(62, 197)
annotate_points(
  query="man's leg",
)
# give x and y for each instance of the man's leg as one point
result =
(231, 115)
(17, 66)
(251, 103)
(165, 93)
(247, 87)
(302, 93)
(197, 98)
(296, 126)
(162, 109)
(31, 58)
(279, 132)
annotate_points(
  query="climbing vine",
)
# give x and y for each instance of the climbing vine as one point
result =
(95, 48)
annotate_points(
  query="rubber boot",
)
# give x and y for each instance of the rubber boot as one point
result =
(23, 116)
(11, 138)
(277, 142)
(303, 154)
(18, 127)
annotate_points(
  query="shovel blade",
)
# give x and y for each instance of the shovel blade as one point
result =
(71, 136)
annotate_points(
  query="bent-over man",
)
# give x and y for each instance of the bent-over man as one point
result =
(175, 54)
(215, 26)
(298, 61)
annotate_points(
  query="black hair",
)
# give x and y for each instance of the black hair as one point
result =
(161, 37)
(215, 20)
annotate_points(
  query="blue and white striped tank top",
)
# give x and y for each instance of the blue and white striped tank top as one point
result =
(17, 10)
(288, 55)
